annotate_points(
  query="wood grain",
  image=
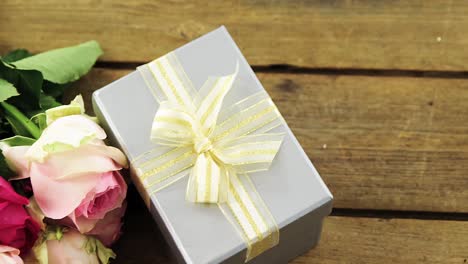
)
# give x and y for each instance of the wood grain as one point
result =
(368, 240)
(393, 143)
(415, 35)
(344, 240)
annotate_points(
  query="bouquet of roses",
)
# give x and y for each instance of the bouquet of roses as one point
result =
(62, 197)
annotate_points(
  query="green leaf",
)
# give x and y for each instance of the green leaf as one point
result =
(53, 89)
(27, 82)
(94, 246)
(47, 102)
(17, 127)
(8, 73)
(19, 122)
(16, 55)
(104, 254)
(31, 83)
(7, 90)
(40, 121)
(63, 65)
(18, 141)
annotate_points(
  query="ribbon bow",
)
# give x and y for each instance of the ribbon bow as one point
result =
(215, 146)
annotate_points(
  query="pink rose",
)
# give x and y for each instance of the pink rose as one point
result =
(73, 173)
(17, 228)
(9, 255)
(108, 195)
(63, 246)
(108, 229)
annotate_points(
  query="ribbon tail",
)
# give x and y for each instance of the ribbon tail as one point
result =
(208, 181)
(248, 213)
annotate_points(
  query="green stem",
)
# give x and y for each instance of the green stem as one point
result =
(12, 111)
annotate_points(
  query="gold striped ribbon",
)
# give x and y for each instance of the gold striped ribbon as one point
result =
(216, 146)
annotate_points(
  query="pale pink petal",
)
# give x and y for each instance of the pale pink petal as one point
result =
(81, 223)
(108, 194)
(77, 162)
(7, 249)
(16, 160)
(70, 249)
(108, 151)
(56, 198)
(9, 255)
(108, 229)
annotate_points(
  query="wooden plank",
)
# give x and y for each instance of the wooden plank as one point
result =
(370, 240)
(344, 240)
(394, 143)
(418, 35)
(381, 143)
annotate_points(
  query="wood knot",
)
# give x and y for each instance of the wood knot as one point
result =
(288, 85)
(190, 30)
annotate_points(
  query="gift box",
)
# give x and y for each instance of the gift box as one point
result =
(218, 167)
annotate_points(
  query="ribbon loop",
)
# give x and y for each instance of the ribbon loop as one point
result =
(208, 111)
(214, 146)
(250, 153)
(172, 125)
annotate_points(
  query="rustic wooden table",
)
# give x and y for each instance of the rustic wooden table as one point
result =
(376, 92)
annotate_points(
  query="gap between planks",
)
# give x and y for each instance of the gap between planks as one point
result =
(398, 214)
(283, 68)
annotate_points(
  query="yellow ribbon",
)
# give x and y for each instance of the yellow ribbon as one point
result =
(216, 147)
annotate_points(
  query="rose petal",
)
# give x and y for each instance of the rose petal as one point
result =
(9, 255)
(7, 193)
(15, 157)
(58, 199)
(76, 107)
(108, 194)
(70, 249)
(75, 163)
(7, 249)
(64, 134)
(17, 228)
(12, 214)
(108, 151)
(108, 229)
